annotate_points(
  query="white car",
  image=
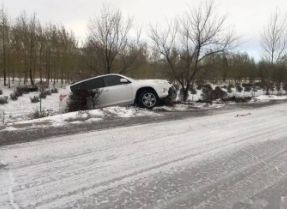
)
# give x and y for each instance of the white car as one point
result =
(116, 89)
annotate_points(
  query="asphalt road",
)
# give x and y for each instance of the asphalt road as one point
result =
(234, 158)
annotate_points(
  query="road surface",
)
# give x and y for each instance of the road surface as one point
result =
(234, 159)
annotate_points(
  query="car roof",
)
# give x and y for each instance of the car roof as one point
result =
(103, 75)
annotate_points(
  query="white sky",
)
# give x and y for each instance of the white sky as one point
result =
(248, 17)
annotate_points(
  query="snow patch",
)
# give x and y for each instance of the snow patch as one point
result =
(3, 164)
(270, 98)
(186, 107)
(124, 112)
(79, 117)
(10, 128)
(22, 108)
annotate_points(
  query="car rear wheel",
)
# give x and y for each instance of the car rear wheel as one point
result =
(147, 99)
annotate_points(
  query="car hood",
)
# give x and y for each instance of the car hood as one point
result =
(153, 81)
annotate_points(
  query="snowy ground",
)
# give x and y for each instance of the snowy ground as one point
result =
(98, 115)
(188, 106)
(23, 109)
(79, 117)
(264, 98)
(235, 159)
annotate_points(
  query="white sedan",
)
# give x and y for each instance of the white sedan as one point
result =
(116, 89)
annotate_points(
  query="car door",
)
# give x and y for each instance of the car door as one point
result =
(116, 92)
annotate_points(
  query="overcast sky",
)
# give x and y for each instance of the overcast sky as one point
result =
(248, 17)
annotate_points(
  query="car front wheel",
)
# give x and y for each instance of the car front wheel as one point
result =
(147, 99)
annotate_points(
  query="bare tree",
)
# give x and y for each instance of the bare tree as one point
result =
(189, 40)
(5, 29)
(32, 41)
(24, 36)
(109, 35)
(274, 44)
(133, 55)
(274, 39)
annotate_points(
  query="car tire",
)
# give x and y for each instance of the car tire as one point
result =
(147, 99)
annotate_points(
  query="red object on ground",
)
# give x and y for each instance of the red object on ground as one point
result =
(61, 97)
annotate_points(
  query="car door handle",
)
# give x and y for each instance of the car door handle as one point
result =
(106, 90)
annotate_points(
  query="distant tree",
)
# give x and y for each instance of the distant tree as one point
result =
(274, 39)
(191, 39)
(5, 30)
(274, 42)
(26, 28)
(111, 44)
(217, 67)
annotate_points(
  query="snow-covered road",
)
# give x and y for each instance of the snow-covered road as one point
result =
(234, 159)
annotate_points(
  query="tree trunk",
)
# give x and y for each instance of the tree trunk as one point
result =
(31, 76)
(185, 92)
(4, 55)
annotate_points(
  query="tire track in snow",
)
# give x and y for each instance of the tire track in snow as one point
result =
(10, 190)
(57, 181)
(82, 171)
(171, 149)
(7, 182)
(157, 167)
(91, 191)
(237, 185)
(85, 155)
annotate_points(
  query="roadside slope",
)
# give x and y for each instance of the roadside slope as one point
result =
(32, 130)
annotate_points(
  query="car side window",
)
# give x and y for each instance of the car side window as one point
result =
(95, 83)
(112, 80)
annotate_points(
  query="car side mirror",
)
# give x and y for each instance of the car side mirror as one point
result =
(124, 81)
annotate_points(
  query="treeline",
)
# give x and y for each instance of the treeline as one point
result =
(241, 68)
(30, 50)
(51, 53)
(196, 46)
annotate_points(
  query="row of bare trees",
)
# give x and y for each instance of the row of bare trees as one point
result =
(273, 71)
(195, 46)
(29, 50)
(198, 46)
